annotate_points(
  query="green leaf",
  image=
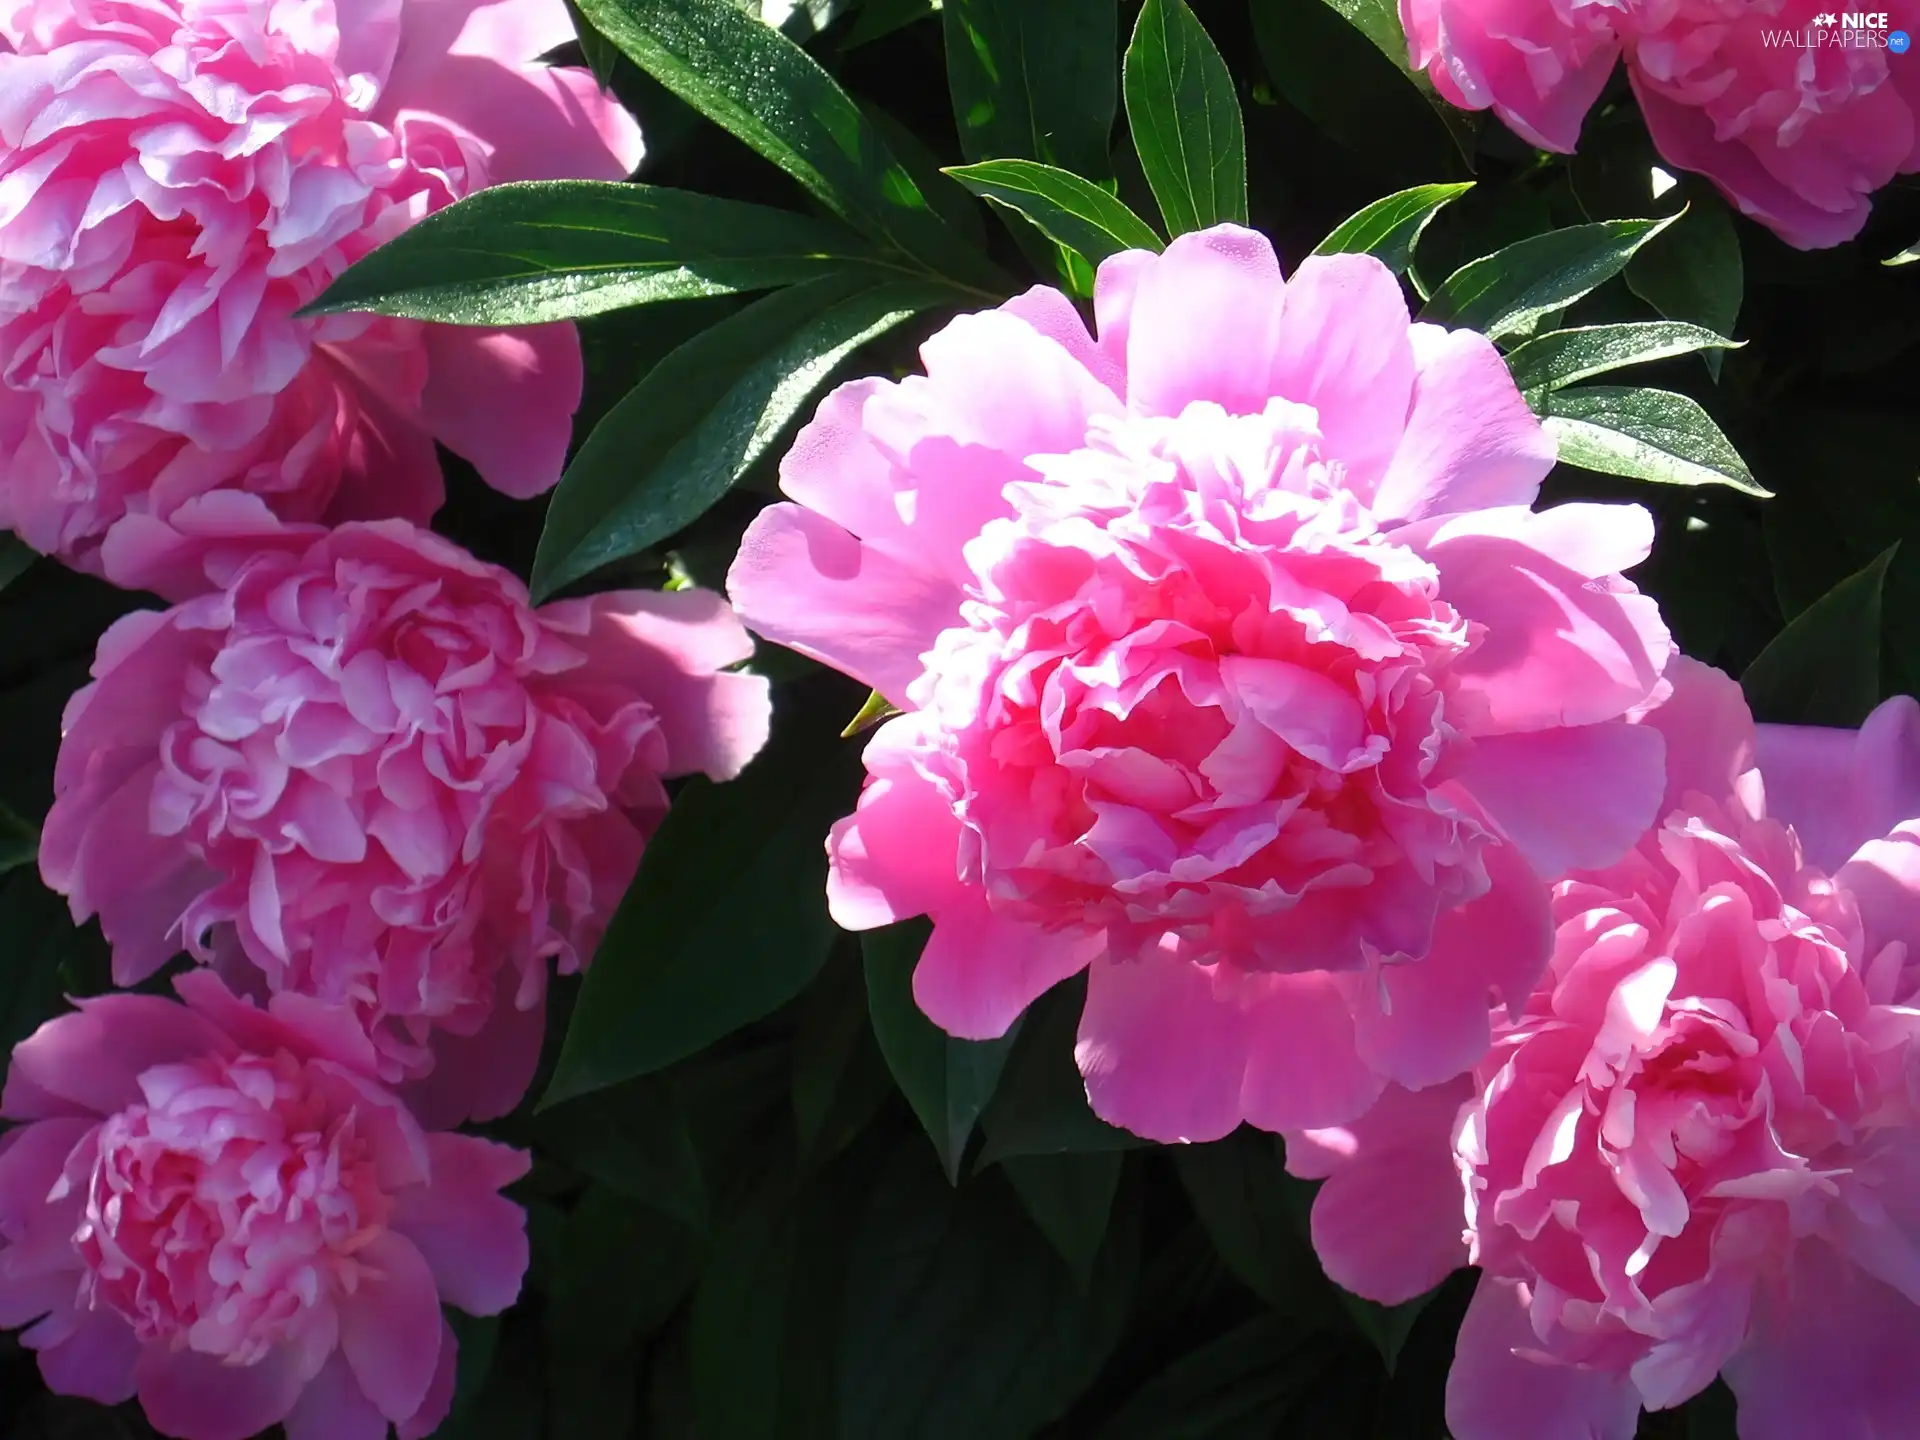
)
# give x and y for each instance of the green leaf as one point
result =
(877, 710)
(960, 1322)
(704, 414)
(1241, 1386)
(38, 938)
(19, 841)
(1695, 272)
(1070, 1198)
(563, 249)
(751, 80)
(1824, 668)
(1034, 81)
(16, 557)
(602, 57)
(1185, 119)
(1379, 21)
(1040, 1107)
(882, 17)
(1642, 434)
(1365, 100)
(1065, 208)
(840, 1080)
(1564, 356)
(1905, 257)
(1242, 1194)
(1509, 291)
(1390, 228)
(620, 1272)
(947, 1081)
(631, 1138)
(724, 923)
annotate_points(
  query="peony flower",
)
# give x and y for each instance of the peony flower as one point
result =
(210, 1206)
(361, 767)
(1697, 1149)
(178, 177)
(1235, 668)
(1797, 123)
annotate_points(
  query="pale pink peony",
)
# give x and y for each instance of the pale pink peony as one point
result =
(177, 177)
(1235, 667)
(1696, 1152)
(1798, 132)
(212, 1207)
(365, 768)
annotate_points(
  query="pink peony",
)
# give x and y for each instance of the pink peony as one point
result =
(1235, 667)
(1697, 1151)
(364, 767)
(177, 177)
(1797, 123)
(210, 1206)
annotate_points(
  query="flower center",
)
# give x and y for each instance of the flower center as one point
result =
(228, 1207)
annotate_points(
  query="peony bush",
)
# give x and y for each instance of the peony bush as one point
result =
(692, 744)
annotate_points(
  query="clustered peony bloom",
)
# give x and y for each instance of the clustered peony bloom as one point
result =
(1695, 1150)
(1798, 130)
(1236, 669)
(178, 177)
(212, 1207)
(360, 766)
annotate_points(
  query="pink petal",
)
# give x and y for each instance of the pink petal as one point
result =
(1559, 648)
(1163, 1054)
(803, 582)
(1709, 731)
(1115, 285)
(504, 399)
(1469, 440)
(1837, 1354)
(1303, 1068)
(390, 1328)
(1434, 1020)
(439, 1400)
(483, 1076)
(1343, 349)
(1842, 788)
(670, 648)
(898, 854)
(475, 64)
(1389, 1222)
(93, 1058)
(1204, 324)
(1884, 879)
(1494, 1394)
(473, 1238)
(979, 971)
(1685, 135)
(189, 1394)
(1053, 315)
(95, 1361)
(1575, 798)
(334, 1407)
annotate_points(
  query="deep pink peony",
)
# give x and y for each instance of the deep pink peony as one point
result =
(1698, 1149)
(1798, 133)
(212, 1207)
(365, 768)
(1236, 667)
(177, 177)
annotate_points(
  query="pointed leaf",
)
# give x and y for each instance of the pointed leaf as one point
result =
(1069, 1197)
(753, 81)
(1074, 212)
(724, 923)
(1642, 434)
(1390, 228)
(1509, 291)
(564, 249)
(948, 1082)
(704, 414)
(1564, 356)
(16, 556)
(1040, 1107)
(1185, 118)
(1824, 668)
(1034, 81)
